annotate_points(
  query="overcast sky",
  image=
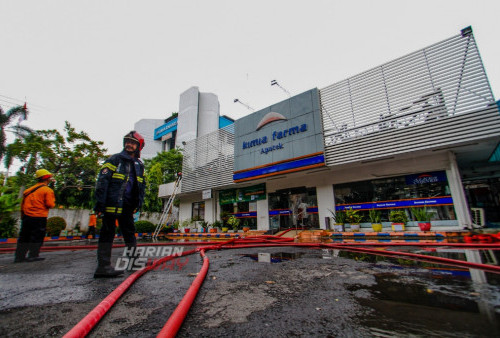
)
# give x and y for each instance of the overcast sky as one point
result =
(103, 65)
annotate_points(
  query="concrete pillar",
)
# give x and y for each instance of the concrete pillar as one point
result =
(262, 215)
(210, 216)
(324, 195)
(458, 193)
(185, 210)
(208, 115)
(187, 121)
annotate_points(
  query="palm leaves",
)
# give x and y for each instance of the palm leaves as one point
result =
(6, 119)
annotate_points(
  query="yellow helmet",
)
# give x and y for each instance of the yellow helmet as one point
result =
(43, 173)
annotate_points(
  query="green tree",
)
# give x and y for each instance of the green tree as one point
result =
(5, 120)
(160, 169)
(8, 204)
(72, 157)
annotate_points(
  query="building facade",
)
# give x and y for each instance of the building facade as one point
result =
(199, 114)
(403, 135)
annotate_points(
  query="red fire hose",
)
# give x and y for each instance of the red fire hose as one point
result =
(255, 239)
(177, 318)
(89, 321)
(427, 258)
(175, 321)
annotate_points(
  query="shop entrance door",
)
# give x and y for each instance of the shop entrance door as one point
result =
(293, 208)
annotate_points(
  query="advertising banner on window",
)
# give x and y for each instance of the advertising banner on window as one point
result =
(425, 178)
(246, 194)
(417, 202)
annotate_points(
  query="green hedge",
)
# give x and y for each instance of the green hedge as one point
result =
(8, 227)
(55, 225)
(144, 226)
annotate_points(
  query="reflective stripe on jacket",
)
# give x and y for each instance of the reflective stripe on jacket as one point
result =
(112, 182)
(38, 203)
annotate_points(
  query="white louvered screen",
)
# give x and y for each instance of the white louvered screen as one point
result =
(435, 97)
(209, 161)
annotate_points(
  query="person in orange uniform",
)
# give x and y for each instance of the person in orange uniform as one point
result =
(92, 224)
(37, 200)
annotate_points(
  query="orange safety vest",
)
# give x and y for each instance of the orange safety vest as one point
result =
(38, 203)
(92, 221)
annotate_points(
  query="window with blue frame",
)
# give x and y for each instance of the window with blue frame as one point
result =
(430, 190)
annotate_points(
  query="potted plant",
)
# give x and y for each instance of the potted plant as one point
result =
(215, 226)
(353, 218)
(204, 226)
(338, 220)
(398, 219)
(423, 217)
(246, 228)
(186, 224)
(375, 219)
(233, 222)
(224, 216)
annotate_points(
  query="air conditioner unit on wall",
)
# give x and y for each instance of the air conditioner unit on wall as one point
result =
(478, 216)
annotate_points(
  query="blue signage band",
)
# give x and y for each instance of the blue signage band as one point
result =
(286, 212)
(304, 162)
(410, 203)
(165, 129)
(250, 214)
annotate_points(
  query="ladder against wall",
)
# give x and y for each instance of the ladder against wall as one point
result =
(167, 208)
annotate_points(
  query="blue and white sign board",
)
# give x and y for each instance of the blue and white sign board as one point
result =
(416, 202)
(282, 138)
(425, 178)
(166, 128)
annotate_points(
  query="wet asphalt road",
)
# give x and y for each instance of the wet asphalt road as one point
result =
(304, 292)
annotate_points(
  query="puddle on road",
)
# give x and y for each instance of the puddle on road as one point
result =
(419, 298)
(425, 303)
(264, 257)
(414, 298)
(491, 257)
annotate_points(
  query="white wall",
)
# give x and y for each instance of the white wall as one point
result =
(81, 217)
(187, 122)
(262, 215)
(210, 210)
(458, 194)
(146, 128)
(208, 117)
(325, 203)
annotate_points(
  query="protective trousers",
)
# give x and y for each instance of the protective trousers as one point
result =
(31, 237)
(107, 235)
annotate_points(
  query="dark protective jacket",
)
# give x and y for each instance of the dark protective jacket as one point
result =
(112, 182)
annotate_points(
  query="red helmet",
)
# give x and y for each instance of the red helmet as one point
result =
(136, 137)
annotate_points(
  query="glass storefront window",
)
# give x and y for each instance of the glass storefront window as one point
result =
(484, 195)
(198, 211)
(294, 207)
(245, 211)
(427, 189)
(242, 202)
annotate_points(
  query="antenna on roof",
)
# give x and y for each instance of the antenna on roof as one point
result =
(275, 83)
(246, 105)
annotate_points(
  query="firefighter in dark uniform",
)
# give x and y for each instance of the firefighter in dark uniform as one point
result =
(120, 193)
